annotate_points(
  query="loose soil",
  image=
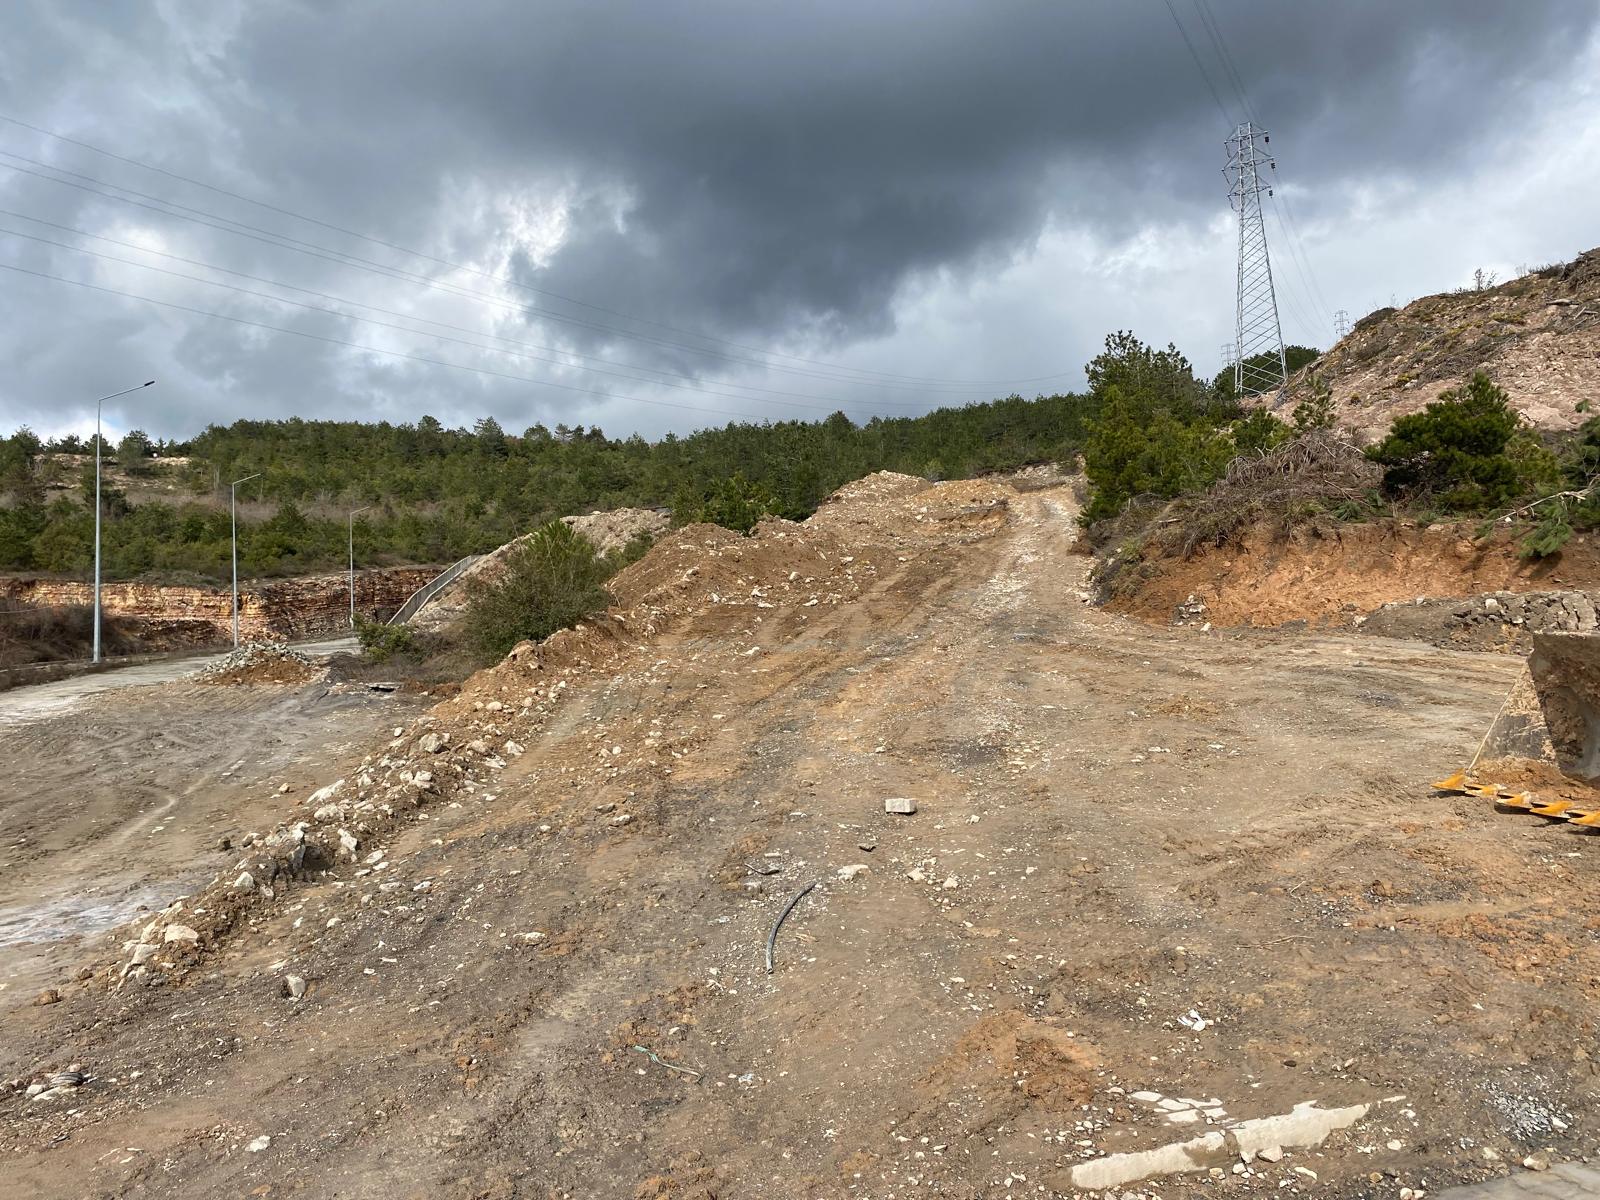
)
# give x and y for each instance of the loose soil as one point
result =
(1116, 826)
(1329, 574)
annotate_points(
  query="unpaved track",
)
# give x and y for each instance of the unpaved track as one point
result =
(116, 798)
(40, 701)
(1116, 825)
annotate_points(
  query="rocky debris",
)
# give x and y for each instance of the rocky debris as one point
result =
(55, 1085)
(1496, 620)
(611, 531)
(1192, 609)
(47, 997)
(294, 986)
(697, 573)
(902, 805)
(257, 1145)
(259, 662)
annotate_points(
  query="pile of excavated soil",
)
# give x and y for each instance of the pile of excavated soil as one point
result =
(1330, 576)
(260, 662)
(611, 531)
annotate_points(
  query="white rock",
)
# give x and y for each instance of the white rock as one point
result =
(180, 933)
(323, 795)
(432, 743)
(902, 805)
(852, 870)
(144, 952)
(514, 749)
(245, 883)
(294, 986)
(1271, 1154)
(1147, 1097)
(259, 1144)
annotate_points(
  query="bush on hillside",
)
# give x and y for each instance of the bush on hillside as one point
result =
(734, 503)
(1454, 451)
(551, 581)
(381, 642)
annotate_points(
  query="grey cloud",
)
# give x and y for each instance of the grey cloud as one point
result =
(791, 172)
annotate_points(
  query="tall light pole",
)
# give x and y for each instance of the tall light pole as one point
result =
(233, 511)
(353, 513)
(97, 405)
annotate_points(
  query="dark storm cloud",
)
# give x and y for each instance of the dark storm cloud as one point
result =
(756, 171)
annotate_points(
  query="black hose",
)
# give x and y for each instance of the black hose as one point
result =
(772, 938)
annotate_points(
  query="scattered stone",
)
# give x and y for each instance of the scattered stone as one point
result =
(48, 996)
(245, 883)
(432, 743)
(622, 819)
(851, 871)
(901, 805)
(1271, 1154)
(180, 933)
(259, 1144)
(1147, 1097)
(1537, 1162)
(294, 986)
(869, 845)
(533, 937)
(144, 952)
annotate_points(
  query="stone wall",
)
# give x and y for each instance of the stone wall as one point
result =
(268, 609)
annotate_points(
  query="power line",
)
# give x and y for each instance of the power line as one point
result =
(500, 278)
(833, 402)
(1293, 242)
(332, 341)
(267, 237)
(1184, 33)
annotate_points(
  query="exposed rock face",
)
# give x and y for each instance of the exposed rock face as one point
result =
(272, 610)
(1537, 336)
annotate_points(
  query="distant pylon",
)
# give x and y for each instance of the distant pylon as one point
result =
(1228, 356)
(1341, 325)
(1259, 364)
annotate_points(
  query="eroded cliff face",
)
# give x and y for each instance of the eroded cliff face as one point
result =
(268, 609)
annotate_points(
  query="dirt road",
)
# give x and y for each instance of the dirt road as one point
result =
(35, 702)
(120, 787)
(1144, 863)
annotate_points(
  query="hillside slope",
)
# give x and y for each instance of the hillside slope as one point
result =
(1538, 337)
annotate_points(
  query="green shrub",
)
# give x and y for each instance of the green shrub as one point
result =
(551, 581)
(735, 503)
(380, 642)
(1316, 410)
(1550, 533)
(1455, 449)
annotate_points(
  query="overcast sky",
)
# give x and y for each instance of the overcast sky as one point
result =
(653, 216)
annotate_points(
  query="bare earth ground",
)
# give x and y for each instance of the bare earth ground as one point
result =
(1117, 826)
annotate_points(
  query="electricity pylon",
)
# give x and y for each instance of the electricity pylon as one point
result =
(1259, 366)
(1341, 325)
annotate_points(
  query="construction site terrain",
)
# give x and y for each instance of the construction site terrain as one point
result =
(1160, 885)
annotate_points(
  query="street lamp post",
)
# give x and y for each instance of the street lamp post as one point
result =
(97, 405)
(233, 512)
(353, 562)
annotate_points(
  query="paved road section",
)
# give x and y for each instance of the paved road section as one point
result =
(1567, 1181)
(35, 702)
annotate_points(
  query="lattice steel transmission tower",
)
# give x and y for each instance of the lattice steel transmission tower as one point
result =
(1341, 325)
(1259, 366)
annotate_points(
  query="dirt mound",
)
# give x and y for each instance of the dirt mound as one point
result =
(260, 662)
(1538, 337)
(607, 532)
(611, 531)
(1331, 574)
